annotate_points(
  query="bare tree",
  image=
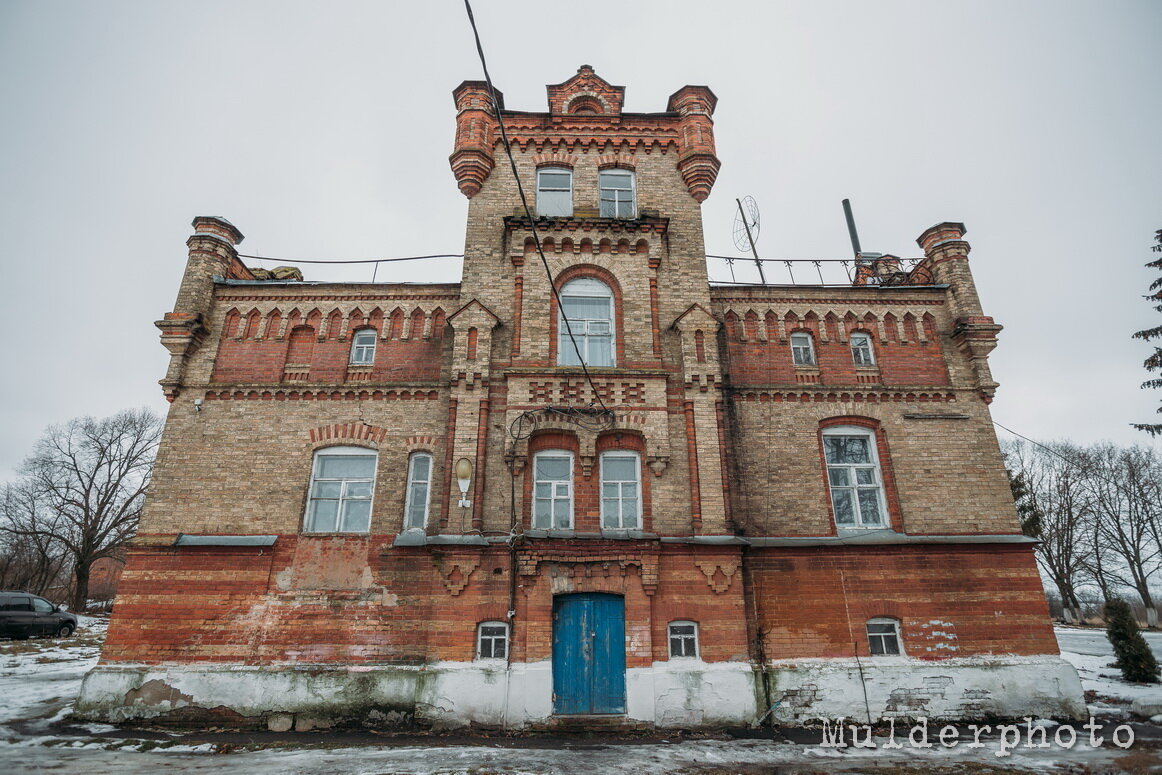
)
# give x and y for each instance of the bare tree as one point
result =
(1124, 485)
(34, 562)
(83, 488)
(1054, 489)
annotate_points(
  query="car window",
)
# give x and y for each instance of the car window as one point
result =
(15, 603)
(41, 606)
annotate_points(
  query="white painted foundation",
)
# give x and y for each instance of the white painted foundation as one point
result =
(679, 693)
(958, 688)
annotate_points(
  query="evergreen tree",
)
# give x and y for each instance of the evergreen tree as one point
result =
(1027, 511)
(1134, 657)
(1154, 362)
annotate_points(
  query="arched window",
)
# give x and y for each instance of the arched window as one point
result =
(492, 640)
(340, 496)
(363, 347)
(554, 191)
(862, 353)
(588, 304)
(418, 491)
(553, 490)
(621, 501)
(853, 476)
(617, 193)
(802, 349)
(883, 637)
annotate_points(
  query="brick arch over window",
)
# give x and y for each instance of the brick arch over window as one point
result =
(630, 441)
(576, 272)
(351, 433)
(887, 471)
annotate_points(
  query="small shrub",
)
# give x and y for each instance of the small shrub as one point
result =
(1134, 657)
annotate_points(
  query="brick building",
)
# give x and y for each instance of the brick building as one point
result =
(381, 502)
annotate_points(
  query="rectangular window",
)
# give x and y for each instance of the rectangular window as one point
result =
(554, 192)
(363, 348)
(340, 494)
(553, 490)
(683, 640)
(802, 349)
(620, 491)
(492, 641)
(861, 350)
(883, 637)
(418, 492)
(853, 475)
(617, 193)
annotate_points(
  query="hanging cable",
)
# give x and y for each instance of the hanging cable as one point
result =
(525, 203)
(358, 261)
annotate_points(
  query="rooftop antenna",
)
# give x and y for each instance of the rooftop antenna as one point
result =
(746, 230)
(851, 228)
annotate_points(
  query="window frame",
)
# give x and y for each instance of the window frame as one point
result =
(867, 347)
(364, 351)
(492, 639)
(408, 521)
(636, 517)
(570, 497)
(691, 638)
(854, 485)
(309, 517)
(544, 203)
(795, 339)
(581, 326)
(896, 633)
(617, 203)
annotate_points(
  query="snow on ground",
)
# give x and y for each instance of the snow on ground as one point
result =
(1089, 651)
(39, 680)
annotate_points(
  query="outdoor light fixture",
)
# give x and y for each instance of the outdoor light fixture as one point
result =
(463, 478)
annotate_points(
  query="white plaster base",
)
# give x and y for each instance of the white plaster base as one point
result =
(963, 688)
(678, 693)
(448, 694)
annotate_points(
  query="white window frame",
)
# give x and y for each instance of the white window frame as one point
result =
(585, 328)
(345, 484)
(802, 348)
(561, 489)
(850, 474)
(617, 201)
(492, 640)
(410, 522)
(862, 351)
(686, 638)
(621, 520)
(554, 201)
(363, 347)
(882, 637)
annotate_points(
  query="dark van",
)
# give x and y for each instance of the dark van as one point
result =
(23, 615)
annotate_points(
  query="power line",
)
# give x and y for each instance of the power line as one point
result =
(358, 261)
(525, 203)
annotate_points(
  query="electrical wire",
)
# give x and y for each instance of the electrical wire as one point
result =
(525, 203)
(358, 261)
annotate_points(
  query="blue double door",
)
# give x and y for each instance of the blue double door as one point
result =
(588, 654)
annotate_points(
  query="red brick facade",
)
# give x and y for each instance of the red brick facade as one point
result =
(730, 522)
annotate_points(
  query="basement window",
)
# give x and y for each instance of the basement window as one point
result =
(340, 494)
(883, 637)
(683, 640)
(492, 640)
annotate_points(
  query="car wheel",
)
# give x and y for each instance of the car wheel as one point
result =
(65, 630)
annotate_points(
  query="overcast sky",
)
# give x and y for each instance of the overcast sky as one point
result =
(322, 130)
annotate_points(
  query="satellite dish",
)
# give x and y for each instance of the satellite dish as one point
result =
(746, 224)
(746, 230)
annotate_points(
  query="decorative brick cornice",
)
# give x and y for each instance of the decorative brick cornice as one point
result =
(322, 394)
(834, 396)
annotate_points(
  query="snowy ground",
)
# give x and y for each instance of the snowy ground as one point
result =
(40, 678)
